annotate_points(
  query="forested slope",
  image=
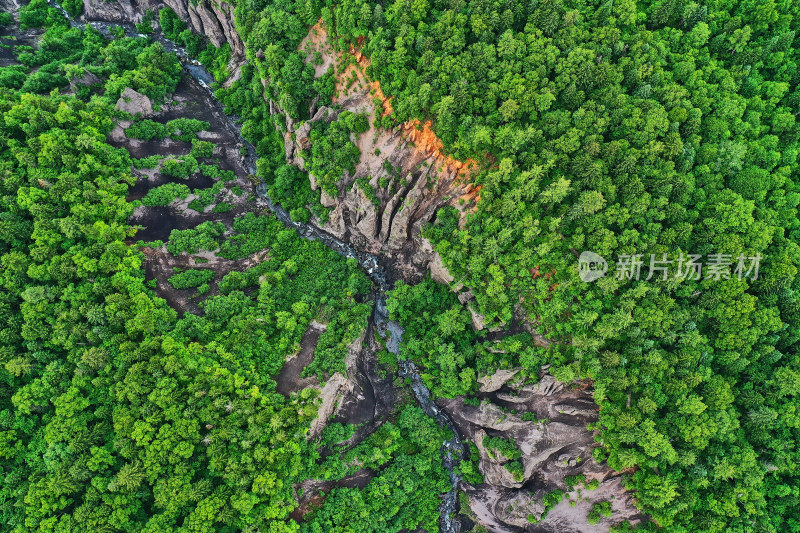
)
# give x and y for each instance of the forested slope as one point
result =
(119, 412)
(668, 131)
(620, 128)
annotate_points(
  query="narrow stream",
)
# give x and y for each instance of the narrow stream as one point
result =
(391, 331)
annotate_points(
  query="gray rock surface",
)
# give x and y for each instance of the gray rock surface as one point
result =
(86, 79)
(135, 103)
(212, 18)
(554, 447)
(324, 198)
(497, 380)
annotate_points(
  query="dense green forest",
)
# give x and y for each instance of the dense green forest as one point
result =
(664, 127)
(622, 128)
(636, 129)
(117, 413)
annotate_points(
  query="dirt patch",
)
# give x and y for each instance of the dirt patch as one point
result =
(160, 265)
(312, 492)
(317, 41)
(289, 379)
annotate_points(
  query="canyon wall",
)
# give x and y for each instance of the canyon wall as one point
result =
(211, 18)
(410, 178)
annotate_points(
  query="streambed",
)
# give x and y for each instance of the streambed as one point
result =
(390, 331)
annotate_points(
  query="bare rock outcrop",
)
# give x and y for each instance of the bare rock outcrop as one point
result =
(363, 213)
(439, 272)
(550, 398)
(336, 390)
(510, 511)
(478, 320)
(325, 199)
(497, 380)
(553, 446)
(406, 190)
(10, 6)
(331, 395)
(409, 179)
(87, 78)
(212, 18)
(336, 225)
(134, 103)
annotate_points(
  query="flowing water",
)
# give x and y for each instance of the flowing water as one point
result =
(391, 331)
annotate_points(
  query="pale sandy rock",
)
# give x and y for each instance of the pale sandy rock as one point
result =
(367, 225)
(210, 136)
(134, 103)
(86, 79)
(425, 245)
(497, 380)
(547, 386)
(439, 272)
(330, 395)
(499, 509)
(335, 225)
(117, 135)
(363, 213)
(398, 235)
(389, 211)
(324, 198)
(478, 320)
(353, 350)
(492, 469)
(288, 146)
(465, 296)
(572, 518)
(325, 114)
(301, 136)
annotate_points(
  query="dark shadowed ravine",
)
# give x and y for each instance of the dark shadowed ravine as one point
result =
(391, 331)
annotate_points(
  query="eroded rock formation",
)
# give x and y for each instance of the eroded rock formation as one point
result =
(409, 190)
(415, 183)
(409, 177)
(134, 103)
(555, 446)
(212, 18)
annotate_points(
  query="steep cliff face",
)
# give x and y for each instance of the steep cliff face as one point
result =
(211, 18)
(406, 186)
(409, 176)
